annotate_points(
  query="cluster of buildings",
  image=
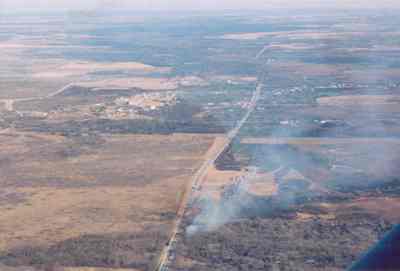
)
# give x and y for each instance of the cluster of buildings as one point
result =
(136, 106)
(148, 101)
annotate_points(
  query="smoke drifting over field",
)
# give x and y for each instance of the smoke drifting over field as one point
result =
(215, 214)
(354, 109)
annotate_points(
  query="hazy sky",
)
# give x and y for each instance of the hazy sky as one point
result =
(192, 4)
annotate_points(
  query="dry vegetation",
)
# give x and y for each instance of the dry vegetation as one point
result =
(306, 69)
(69, 201)
(60, 268)
(360, 100)
(83, 68)
(92, 177)
(146, 83)
(24, 75)
(300, 227)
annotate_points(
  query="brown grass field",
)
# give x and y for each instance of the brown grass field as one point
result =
(55, 190)
(359, 100)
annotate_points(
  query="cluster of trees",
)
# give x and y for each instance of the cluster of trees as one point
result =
(283, 244)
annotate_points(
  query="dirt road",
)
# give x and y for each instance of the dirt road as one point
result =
(9, 103)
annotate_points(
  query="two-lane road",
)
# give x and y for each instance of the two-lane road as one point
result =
(168, 252)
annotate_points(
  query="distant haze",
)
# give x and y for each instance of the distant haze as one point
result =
(194, 4)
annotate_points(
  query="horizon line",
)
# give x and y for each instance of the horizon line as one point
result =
(194, 10)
